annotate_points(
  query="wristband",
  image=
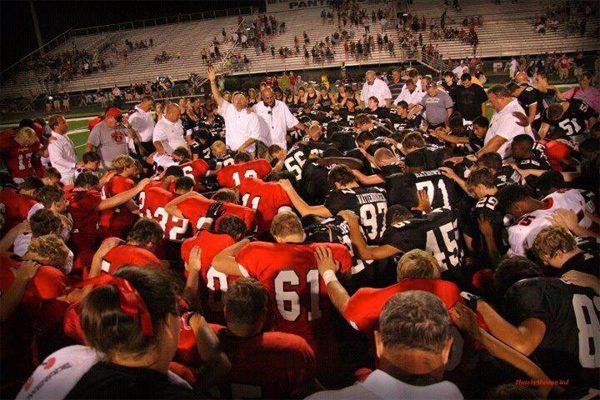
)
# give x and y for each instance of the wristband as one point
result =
(208, 220)
(329, 276)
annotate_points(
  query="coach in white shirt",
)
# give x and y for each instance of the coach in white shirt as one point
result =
(411, 93)
(142, 124)
(375, 87)
(61, 149)
(410, 365)
(275, 119)
(505, 124)
(242, 128)
(168, 132)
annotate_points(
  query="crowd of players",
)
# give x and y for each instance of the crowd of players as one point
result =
(455, 259)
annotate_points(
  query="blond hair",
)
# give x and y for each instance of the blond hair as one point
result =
(122, 162)
(285, 224)
(26, 136)
(418, 264)
(50, 250)
(551, 240)
(218, 148)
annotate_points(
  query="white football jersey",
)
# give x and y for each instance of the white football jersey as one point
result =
(524, 230)
(162, 162)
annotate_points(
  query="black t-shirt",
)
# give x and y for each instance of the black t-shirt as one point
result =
(403, 189)
(506, 176)
(569, 349)
(369, 203)
(110, 381)
(468, 101)
(572, 124)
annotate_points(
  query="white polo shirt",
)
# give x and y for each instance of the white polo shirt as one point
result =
(380, 385)
(413, 98)
(239, 126)
(274, 122)
(378, 89)
(62, 156)
(505, 124)
(170, 134)
(142, 123)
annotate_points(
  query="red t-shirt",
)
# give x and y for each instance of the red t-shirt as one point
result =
(232, 175)
(128, 255)
(195, 208)
(35, 310)
(152, 205)
(214, 283)
(17, 158)
(116, 220)
(196, 170)
(366, 304)
(14, 208)
(271, 365)
(267, 198)
(82, 207)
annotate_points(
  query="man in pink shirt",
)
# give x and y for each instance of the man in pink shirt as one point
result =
(585, 91)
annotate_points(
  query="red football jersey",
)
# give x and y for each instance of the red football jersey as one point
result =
(152, 204)
(128, 255)
(195, 208)
(298, 294)
(82, 207)
(14, 208)
(366, 304)
(271, 365)
(267, 198)
(116, 221)
(19, 330)
(215, 283)
(289, 273)
(17, 158)
(232, 175)
(196, 170)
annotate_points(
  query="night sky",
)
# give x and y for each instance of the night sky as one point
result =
(18, 36)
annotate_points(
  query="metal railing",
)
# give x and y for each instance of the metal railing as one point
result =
(174, 19)
(46, 48)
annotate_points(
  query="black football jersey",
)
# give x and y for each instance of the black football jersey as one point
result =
(402, 123)
(403, 189)
(369, 203)
(588, 261)
(571, 345)
(407, 235)
(435, 232)
(314, 185)
(297, 156)
(530, 96)
(572, 124)
(335, 230)
(506, 176)
(534, 162)
(488, 207)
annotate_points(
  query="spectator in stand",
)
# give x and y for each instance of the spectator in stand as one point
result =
(168, 133)
(141, 123)
(469, 99)
(406, 354)
(375, 87)
(585, 91)
(109, 138)
(61, 149)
